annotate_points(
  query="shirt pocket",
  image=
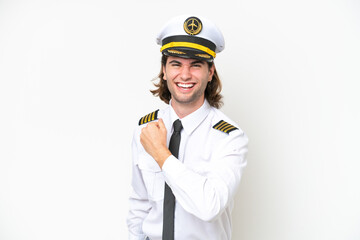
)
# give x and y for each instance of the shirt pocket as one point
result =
(153, 178)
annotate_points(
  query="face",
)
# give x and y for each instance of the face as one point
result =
(187, 80)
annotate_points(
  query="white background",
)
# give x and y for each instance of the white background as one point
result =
(75, 78)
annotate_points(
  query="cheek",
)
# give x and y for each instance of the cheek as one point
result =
(169, 85)
(204, 77)
(171, 75)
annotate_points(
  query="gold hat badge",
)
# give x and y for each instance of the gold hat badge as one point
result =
(192, 26)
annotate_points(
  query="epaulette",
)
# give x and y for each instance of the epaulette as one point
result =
(149, 117)
(224, 127)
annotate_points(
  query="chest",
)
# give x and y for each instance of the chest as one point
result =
(197, 149)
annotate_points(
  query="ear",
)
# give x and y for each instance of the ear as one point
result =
(211, 72)
(164, 72)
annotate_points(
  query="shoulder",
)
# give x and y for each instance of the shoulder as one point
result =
(225, 127)
(228, 132)
(153, 116)
(224, 124)
(142, 122)
(145, 119)
(149, 117)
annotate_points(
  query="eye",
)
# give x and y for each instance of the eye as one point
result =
(175, 64)
(197, 64)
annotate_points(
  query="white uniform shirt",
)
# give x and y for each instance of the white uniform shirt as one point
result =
(204, 179)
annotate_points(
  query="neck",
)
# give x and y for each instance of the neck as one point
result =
(182, 110)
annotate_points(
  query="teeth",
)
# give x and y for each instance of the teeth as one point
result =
(184, 85)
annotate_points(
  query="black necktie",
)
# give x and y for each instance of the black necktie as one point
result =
(169, 198)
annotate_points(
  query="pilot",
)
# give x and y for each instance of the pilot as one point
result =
(188, 158)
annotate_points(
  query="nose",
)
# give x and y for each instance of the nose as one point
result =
(185, 73)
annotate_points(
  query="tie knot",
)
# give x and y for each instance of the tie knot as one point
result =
(177, 125)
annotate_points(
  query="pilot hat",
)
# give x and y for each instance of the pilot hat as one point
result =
(188, 36)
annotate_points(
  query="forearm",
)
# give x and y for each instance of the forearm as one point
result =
(160, 155)
(203, 195)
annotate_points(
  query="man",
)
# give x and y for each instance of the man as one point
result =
(187, 158)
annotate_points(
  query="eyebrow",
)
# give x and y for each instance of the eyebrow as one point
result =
(174, 61)
(197, 62)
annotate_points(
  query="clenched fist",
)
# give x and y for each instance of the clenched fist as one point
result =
(153, 139)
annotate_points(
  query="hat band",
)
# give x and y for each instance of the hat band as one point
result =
(190, 45)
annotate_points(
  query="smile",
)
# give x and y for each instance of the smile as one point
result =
(185, 85)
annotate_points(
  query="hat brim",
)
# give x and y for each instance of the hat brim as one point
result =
(184, 52)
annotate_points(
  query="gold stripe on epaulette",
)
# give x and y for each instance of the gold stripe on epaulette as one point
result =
(224, 127)
(149, 117)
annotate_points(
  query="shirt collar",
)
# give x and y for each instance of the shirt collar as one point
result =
(193, 120)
